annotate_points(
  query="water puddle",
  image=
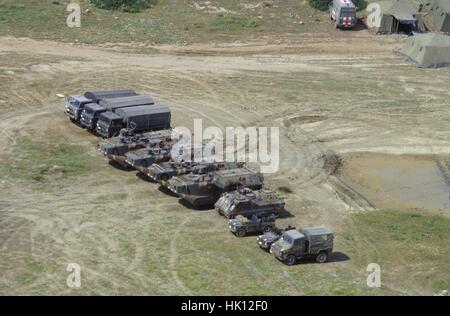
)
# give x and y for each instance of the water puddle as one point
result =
(398, 182)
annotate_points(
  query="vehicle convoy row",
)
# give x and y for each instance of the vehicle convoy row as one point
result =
(146, 142)
(108, 112)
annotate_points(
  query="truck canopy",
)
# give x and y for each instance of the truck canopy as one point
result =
(315, 231)
(96, 96)
(142, 110)
(116, 103)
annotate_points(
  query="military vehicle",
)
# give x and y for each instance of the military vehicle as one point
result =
(138, 118)
(201, 190)
(343, 12)
(241, 226)
(92, 112)
(162, 172)
(248, 202)
(130, 140)
(266, 240)
(316, 242)
(75, 104)
(141, 159)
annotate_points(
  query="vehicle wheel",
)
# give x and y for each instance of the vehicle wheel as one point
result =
(240, 233)
(322, 257)
(290, 260)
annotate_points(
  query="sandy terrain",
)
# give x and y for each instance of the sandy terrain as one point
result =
(331, 100)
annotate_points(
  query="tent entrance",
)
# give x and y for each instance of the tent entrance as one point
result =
(406, 28)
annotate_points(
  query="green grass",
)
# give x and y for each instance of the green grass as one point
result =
(43, 161)
(172, 21)
(411, 247)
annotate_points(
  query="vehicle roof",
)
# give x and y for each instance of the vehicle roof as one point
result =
(80, 98)
(314, 231)
(294, 234)
(94, 107)
(110, 115)
(126, 101)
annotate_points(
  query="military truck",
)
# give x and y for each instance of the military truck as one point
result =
(161, 172)
(75, 104)
(247, 202)
(201, 190)
(92, 112)
(138, 118)
(266, 240)
(141, 159)
(343, 12)
(241, 226)
(316, 242)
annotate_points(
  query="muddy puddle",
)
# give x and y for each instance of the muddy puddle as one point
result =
(399, 182)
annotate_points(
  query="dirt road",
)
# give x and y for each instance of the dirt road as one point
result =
(330, 100)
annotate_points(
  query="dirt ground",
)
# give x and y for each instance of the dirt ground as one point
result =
(333, 101)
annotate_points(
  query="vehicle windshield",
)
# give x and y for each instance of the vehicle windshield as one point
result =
(104, 120)
(287, 239)
(74, 102)
(88, 111)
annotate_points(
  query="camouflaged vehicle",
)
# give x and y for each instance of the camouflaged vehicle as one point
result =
(162, 172)
(201, 190)
(248, 202)
(266, 240)
(141, 159)
(316, 242)
(115, 148)
(241, 226)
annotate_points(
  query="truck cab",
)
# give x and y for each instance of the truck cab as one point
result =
(343, 12)
(108, 124)
(90, 115)
(74, 106)
(314, 242)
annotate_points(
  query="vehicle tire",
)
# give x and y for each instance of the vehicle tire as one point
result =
(290, 260)
(322, 257)
(240, 233)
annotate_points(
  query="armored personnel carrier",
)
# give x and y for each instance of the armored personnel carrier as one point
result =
(241, 226)
(201, 190)
(316, 242)
(141, 159)
(266, 240)
(164, 171)
(115, 148)
(248, 202)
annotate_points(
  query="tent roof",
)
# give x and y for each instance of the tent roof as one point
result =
(403, 10)
(443, 4)
(427, 50)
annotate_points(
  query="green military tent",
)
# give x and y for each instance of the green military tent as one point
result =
(439, 15)
(399, 16)
(427, 50)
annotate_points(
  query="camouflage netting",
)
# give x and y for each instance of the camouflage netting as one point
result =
(126, 5)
